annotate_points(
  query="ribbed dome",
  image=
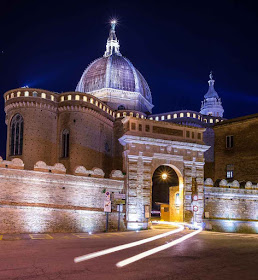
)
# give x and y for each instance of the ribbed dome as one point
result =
(115, 72)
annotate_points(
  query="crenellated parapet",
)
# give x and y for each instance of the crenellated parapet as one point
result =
(231, 185)
(15, 163)
(57, 168)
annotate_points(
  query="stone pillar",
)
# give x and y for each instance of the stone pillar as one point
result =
(138, 190)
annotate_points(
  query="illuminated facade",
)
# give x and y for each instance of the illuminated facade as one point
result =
(102, 137)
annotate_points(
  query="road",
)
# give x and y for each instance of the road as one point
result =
(207, 255)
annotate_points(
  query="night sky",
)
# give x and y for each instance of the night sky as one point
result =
(48, 44)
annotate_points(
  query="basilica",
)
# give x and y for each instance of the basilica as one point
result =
(64, 150)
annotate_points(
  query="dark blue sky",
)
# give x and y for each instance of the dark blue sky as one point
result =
(174, 44)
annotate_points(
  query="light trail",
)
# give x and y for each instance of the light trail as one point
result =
(130, 245)
(157, 249)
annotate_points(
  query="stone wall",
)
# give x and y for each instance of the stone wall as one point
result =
(231, 206)
(44, 201)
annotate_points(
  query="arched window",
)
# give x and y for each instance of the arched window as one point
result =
(16, 141)
(121, 107)
(65, 143)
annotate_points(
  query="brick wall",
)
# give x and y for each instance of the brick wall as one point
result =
(32, 201)
(244, 154)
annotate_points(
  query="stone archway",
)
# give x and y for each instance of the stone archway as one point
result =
(167, 193)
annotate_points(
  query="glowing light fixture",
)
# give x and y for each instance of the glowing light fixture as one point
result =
(164, 176)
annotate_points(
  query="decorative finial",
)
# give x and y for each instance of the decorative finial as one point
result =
(113, 24)
(211, 76)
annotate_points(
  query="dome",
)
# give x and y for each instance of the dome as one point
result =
(116, 72)
(116, 75)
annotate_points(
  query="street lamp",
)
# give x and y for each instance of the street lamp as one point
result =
(164, 176)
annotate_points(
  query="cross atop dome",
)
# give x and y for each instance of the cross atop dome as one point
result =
(112, 46)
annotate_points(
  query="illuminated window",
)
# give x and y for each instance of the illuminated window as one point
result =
(188, 115)
(229, 141)
(16, 141)
(169, 117)
(211, 120)
(26, 93)
(205, 120)
(77, 97)
(199, 117)
(62, 98)
(34, 94)
(110, 112)
(175, 116)
(156, 118)
(43, 95)
(97, 103)
(118, 115)
(142, 116)
(91, 100)
(65, 143)
(131, 114)
(137, 115)
(194, 115)
(69, 97)
(151, 118)
(18, 93)
(84, 98)
(177, 199)
(12, 95)
(7, 97)
(162, 118)
(124, 114)
(217, 120)
(100, 105)
(107, 110)
(104, 108)
(230, 171)
(52, 98)
(181, 115)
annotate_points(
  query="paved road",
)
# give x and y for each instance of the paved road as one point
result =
(205, 256)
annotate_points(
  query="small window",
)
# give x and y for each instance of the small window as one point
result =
(147, 128)
(84, 98)
(133, 126)
(118, 115)
(62, 98)
(151, 118)
(230, 171)
(69, 97)
(137, 115)
(162, 118)
(43, 95)
(131, 114)
(140, 127)
(91, 100)
(229, 142)
(175, 116)
(193, 135)
(18, 93)
(188, 115)
(26, 93)
(77, 97)
(194, 115)
(52, 98)
(65, 143)
(169, 117)
(35, 94)
(181, 115)
(156, 118)
(211, 120)
(199, 136)
(121, 107)
(188, 134)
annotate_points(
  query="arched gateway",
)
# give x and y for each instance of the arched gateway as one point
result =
(149, 144)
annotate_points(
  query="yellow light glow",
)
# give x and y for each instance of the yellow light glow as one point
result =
(164, 176)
